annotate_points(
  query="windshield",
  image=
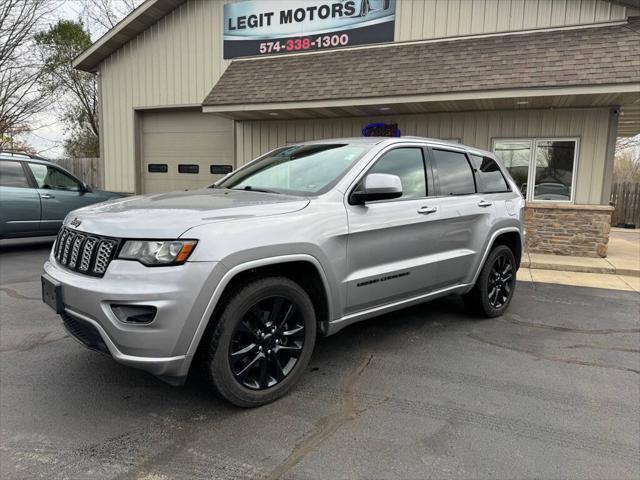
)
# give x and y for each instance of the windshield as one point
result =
(299, 169)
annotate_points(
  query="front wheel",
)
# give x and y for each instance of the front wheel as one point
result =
(495, 285)
(262, 342)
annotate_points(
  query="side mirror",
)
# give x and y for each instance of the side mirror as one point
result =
(377, 186)
(85, 188)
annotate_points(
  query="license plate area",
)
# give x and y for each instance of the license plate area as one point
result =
(52, 293)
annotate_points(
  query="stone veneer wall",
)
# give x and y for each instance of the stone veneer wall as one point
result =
(566, 229)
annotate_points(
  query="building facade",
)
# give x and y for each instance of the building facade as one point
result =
(548, 85)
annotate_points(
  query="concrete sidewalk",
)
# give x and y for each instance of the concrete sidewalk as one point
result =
(609, 281)
(623, 258)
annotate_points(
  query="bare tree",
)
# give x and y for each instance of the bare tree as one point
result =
(627, 160)
(623, 143)
(103, 15)
(20, 94)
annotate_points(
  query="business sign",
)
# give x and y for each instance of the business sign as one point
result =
(263, 27)
(381, 130)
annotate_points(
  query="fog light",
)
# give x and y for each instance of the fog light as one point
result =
(134, 313)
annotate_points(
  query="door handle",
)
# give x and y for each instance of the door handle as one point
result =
(47, 196)
(427, 210)
(484, 203)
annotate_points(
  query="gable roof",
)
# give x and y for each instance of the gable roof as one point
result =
(144, 16)
(544, 59)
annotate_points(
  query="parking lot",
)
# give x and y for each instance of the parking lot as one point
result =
(550, 390)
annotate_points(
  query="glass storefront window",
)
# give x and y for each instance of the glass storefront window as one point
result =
(515, 156)
(554, 170)
(543, 169)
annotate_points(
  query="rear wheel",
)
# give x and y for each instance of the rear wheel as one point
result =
(493, 291)
(262, 342)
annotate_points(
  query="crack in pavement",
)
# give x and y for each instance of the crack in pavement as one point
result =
(328, 425)
(14, 294)
(553, 358)
(515, 319)
(611, 349)
(32, 341)
(547, 434)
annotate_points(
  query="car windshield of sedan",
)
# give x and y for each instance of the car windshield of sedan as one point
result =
(298, 170)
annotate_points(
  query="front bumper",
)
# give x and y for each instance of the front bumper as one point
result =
(180, 294)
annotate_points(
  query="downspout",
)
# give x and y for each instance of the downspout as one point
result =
(101, 167)
(614, 115)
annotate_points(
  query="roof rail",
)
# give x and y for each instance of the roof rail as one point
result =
(18, 153)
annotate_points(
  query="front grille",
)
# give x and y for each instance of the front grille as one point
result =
(84, 332)
(83, 252)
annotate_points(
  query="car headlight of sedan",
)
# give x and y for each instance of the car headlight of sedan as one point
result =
(154, 253)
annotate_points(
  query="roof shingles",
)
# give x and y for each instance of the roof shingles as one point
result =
(578, 57)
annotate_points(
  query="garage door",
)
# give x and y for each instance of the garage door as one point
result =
(180, 149)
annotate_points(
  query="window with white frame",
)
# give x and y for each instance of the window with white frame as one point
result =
(543, 168)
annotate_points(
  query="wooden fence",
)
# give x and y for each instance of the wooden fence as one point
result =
(626, 198)
(86, 169)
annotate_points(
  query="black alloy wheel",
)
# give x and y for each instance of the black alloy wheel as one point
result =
(261, 341)
(495, 285)
(266, 343)
(500, 281)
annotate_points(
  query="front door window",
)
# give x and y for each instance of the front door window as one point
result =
(48, 177)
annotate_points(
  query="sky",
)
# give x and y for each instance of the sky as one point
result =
(48, 132)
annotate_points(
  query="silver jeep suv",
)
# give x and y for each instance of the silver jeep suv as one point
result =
(240, 277)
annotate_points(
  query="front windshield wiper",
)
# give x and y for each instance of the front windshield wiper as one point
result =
(254, 189)
(218, 187)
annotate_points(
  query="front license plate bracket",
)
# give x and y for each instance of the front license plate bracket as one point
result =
(52, 293)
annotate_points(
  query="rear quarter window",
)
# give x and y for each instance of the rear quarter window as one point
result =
(489, 177)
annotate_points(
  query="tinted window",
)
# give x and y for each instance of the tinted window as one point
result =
(515, 156)
(488, 175)
(12, 175)
(408, 164)
(554, 170)
(454, 173)
(50, 177)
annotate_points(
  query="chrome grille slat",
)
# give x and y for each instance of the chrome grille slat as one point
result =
(58, 241)
(67, 247)
(60, 244)
(103, 256)
(75, 250)
(87, 252)
(84, 253)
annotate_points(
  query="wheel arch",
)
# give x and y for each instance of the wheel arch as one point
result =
(304, 269)
(509, 236)
(513, 240)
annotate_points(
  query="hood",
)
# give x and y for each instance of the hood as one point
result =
(168, 215)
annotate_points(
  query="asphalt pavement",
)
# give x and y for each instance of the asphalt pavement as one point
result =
(550, 390)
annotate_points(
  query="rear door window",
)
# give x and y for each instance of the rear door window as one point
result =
(12, 175)
(454, 173)
(488, 175)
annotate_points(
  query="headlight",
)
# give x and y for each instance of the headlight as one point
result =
(157, 252)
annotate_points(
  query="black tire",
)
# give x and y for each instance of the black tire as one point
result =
(239, 377)
(480, 300)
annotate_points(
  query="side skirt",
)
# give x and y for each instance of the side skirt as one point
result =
(337, 325)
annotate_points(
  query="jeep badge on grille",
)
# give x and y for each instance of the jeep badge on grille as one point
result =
(75, 222)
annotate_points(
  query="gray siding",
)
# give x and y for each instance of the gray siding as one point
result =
(178, 60)
(174, 63)
(477, 129)
(424, 19)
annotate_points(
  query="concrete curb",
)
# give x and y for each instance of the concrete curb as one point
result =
(575, 267)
